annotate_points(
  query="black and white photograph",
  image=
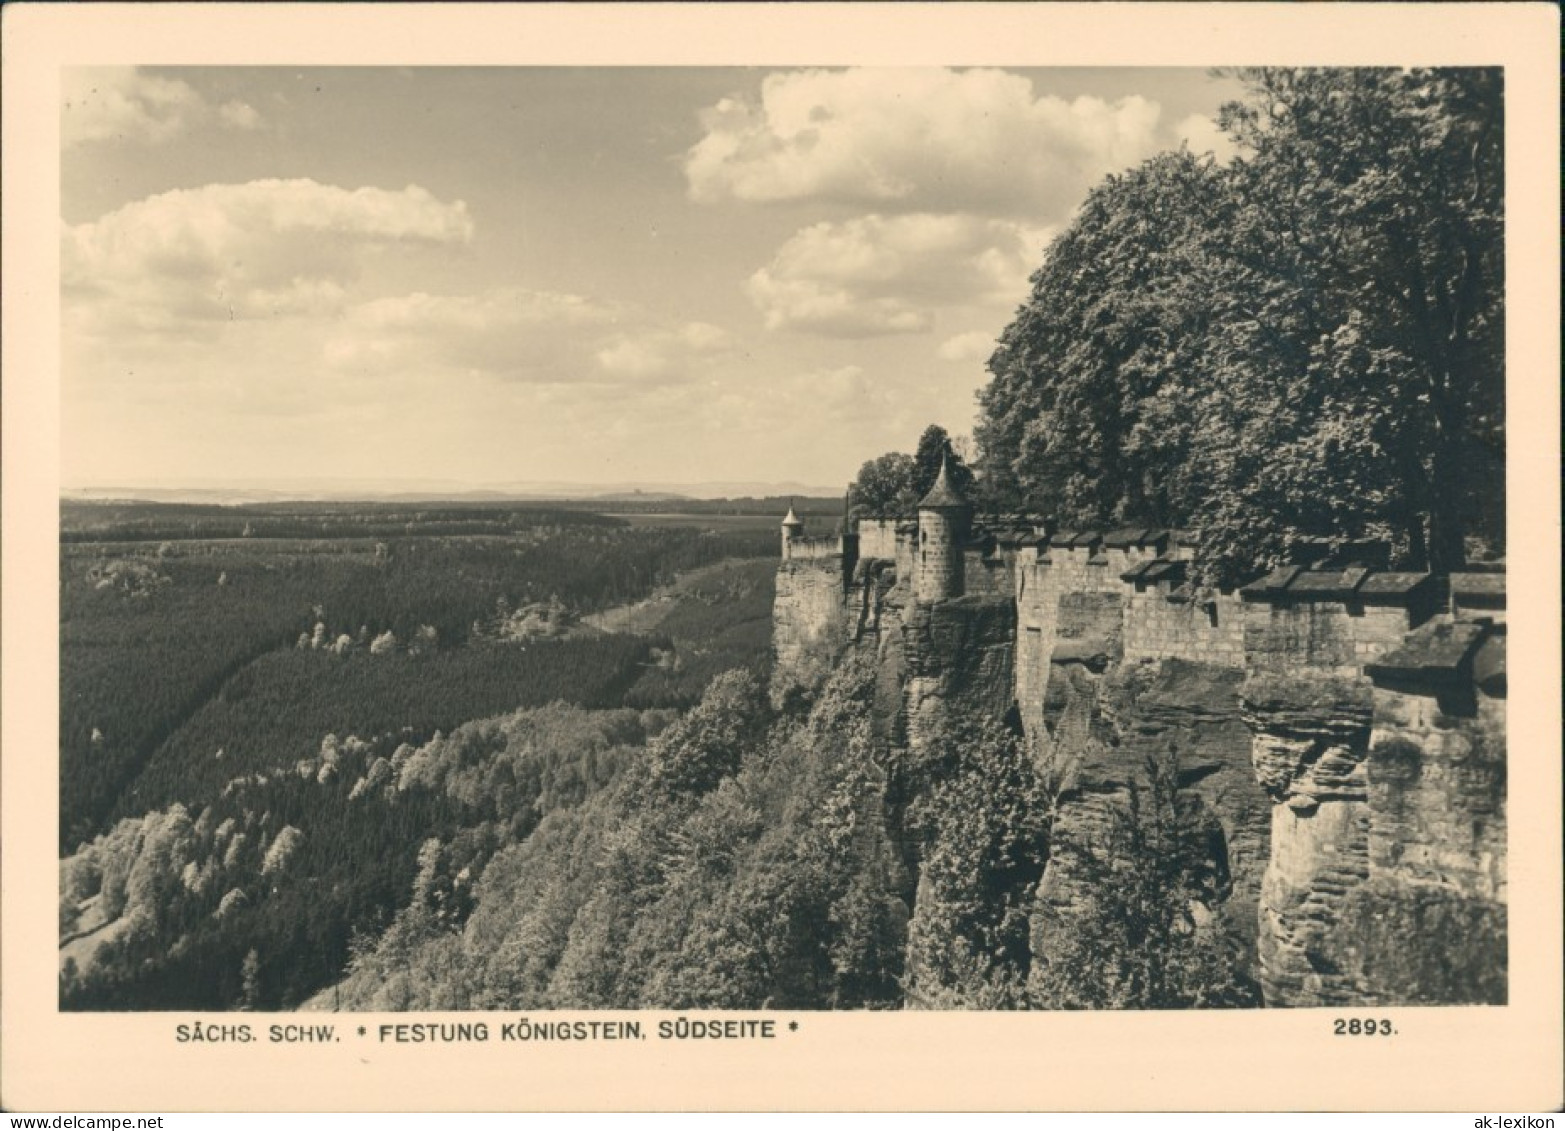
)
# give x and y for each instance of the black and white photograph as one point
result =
(636, 546)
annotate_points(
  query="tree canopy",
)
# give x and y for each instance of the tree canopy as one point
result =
(895, 482)
(1305, 342)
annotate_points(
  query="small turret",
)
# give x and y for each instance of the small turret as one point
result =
(944, 516)
(792, 527)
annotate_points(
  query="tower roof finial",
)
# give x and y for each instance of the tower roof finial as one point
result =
(943, 494)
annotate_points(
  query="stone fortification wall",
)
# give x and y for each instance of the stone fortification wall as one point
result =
(878, 538)
(1335, 736)
(1331, 620)
(801, 548)
(986, 573)
(809, 622)
(1165, 622)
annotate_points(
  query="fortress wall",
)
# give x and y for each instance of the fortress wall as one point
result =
(878, 538)
(1322, 635)
(1119, 559)
(809, 622)
(986, 577)
(1079, 569)
(1073, 606)
(1341, 733)
(1161, 627)
(814, 549)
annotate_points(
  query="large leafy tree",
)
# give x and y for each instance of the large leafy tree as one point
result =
(895, 482)
(1306, 342)
(1087, 413)
(885, 485)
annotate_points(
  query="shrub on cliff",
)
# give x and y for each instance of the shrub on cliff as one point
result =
(1138, 931)
(980, 813)
(705, 744)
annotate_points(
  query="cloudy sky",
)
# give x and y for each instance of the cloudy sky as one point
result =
(497, 275)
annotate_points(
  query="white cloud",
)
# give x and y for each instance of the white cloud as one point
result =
(916, 139)
(103, 103)
(1203, 136)
(658, 355)
(512, 334)
(976, 345)
(890, 274)
(515, 335)
(841, 393)
(182, 260)
(240, 115)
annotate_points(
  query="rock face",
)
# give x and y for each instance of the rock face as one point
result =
(1430, 925)
(1324, 748)
(1387, 876)
(1167, 734)
(1383, 750)
(959, 655)
(1310, 738)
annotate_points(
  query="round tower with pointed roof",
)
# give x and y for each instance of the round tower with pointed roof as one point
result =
(944, 517)
(792, 527)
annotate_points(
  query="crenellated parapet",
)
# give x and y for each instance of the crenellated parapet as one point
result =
(814, 549)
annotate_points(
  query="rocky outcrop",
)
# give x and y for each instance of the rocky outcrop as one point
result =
(1310, 737)
(1430, 924)
(1164, 745)
(959, 658)
(1321, 753)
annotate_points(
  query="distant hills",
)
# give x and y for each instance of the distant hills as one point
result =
(436, 490)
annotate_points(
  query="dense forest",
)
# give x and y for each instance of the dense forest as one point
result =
(236, 713)
(151, 634)
(254, 897)
(747, 859)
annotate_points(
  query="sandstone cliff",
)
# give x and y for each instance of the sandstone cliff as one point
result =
(1315, 764)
